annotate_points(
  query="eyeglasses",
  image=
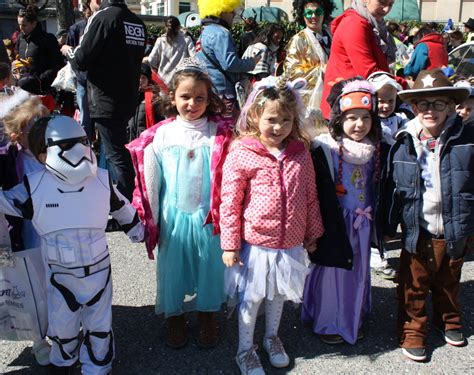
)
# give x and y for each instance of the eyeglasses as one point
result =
(309, 13)
(437, 105)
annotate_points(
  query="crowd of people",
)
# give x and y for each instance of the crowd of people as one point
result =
(256, 173)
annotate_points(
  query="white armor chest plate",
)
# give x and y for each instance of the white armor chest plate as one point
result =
(71, 219)
(59, 206)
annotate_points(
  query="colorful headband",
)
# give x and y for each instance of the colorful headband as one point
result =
(266, 83)
(193, 64)
(357, 94)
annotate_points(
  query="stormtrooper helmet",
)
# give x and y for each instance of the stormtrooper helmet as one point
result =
(68, 152)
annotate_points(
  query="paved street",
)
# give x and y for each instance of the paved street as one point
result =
(140, 348)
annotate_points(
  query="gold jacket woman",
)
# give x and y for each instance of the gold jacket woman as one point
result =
(307, 59)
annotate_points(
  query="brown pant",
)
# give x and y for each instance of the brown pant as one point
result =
(429, 269)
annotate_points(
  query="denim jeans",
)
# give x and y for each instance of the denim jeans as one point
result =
(86, 122)
(113, 135)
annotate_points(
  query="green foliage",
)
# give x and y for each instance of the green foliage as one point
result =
(290, 29)
(154, 30)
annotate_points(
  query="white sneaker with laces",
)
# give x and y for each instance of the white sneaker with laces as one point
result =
(41, 350)
(249, 363)
(276, 352)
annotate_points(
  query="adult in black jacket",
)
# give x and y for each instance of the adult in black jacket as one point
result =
(39, 45)
(111, 52)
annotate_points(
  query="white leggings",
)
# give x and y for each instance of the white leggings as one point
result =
(248, 316)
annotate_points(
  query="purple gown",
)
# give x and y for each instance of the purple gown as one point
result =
(336, 300)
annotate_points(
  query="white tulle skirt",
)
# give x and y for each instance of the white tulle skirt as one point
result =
(267, 272)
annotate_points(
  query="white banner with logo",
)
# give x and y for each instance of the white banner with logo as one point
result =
(23, 306)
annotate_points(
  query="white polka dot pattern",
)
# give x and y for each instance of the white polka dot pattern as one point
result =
(266, 201)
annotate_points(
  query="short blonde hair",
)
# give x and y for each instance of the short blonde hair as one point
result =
(23, 115)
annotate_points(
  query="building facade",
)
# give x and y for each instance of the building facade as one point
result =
(167, 7)
(431, 10)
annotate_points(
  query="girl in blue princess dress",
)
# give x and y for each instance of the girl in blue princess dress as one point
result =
(180, 169)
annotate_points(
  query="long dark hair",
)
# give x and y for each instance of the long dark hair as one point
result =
(216, 105)
(298, 9)
(172, 27)
(265, 36)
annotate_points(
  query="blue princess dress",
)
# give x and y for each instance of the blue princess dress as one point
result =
(190, 271)
(336, 300)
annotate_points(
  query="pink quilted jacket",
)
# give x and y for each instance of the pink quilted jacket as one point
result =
(266, 201)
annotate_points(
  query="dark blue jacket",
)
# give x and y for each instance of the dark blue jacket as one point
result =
(402, 188)
(334, 248)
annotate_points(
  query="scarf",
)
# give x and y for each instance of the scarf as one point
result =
(357, 153)
(383, 37)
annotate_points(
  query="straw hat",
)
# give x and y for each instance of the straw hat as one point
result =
(430, 83)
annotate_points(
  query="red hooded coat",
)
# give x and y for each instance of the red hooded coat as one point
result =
(354, 52)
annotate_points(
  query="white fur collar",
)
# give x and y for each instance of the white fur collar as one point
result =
(353, 152)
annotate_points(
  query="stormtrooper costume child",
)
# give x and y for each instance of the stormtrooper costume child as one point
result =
(69, 202)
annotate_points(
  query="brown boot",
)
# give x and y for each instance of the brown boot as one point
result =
(176, 336)
(208, 330)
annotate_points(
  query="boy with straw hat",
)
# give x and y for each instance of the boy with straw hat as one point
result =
(429, 190)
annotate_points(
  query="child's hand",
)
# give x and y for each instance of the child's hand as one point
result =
(231, 257)
(310, 245)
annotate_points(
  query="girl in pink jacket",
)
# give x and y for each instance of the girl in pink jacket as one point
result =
(269, 215)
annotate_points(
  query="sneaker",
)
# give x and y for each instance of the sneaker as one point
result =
(385, 272)
(415, 354)
(452, 336)
(276, 352)
(360, 335)
(249, 363)
(41, 350)
(331, 339)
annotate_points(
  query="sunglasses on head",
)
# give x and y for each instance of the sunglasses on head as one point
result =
(309, 13)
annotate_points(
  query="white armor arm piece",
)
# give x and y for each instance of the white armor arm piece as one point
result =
(127, 217)
(16, 202)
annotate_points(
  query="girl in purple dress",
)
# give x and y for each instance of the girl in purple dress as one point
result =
(337, 292)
